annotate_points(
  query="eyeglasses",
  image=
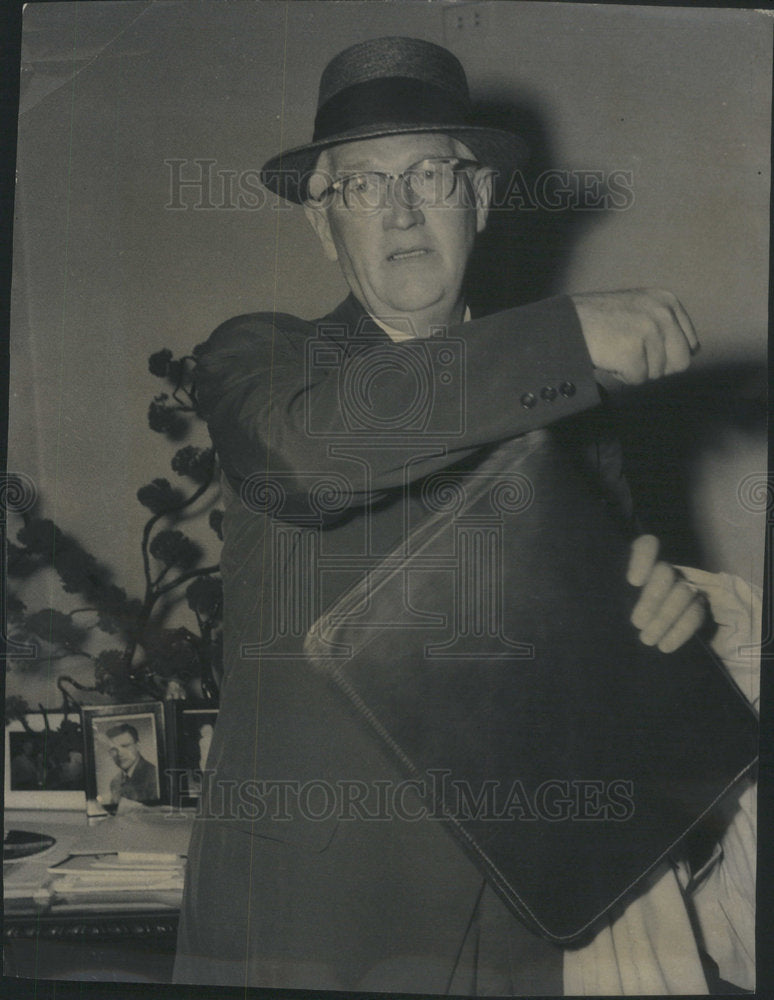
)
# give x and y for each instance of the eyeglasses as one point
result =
(428, 182)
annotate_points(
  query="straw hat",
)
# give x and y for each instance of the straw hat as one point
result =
(391, 86)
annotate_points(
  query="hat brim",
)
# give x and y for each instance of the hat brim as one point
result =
(287, 174)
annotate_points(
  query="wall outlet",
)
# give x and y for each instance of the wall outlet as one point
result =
(465, 19)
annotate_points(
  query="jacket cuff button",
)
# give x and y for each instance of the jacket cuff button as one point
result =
(567, 389)
(548, 392)
(528, 400)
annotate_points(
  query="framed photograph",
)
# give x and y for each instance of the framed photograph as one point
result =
(125, 753)
(190, 734)
(44, 766)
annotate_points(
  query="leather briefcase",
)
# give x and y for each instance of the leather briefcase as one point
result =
(566, 756)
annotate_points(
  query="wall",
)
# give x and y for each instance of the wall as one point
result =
(105, 272)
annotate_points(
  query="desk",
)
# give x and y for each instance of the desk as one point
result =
(116, 941)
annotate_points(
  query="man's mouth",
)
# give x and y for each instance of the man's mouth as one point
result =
(408, 254)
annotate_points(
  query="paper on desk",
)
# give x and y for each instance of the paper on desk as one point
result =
(94, 879)
(149, 830)
(144, 829)
(119, 867)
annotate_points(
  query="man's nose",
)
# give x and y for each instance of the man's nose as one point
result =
(402, 209)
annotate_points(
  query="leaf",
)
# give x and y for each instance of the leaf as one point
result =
(16, 707)
(78, 570)
(40, 535)
(196, 463)
(166, 419)
(173, 548)
(171, 652)
(14, 606)
(117, 613)
(205, 597)
(110, 672)
(28, 665)
(159, 496)
(57, 628)
(175, 372)
(216, 522)
(158, 363)
(20, 562)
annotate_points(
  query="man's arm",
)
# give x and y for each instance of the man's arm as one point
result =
(257, 391)
(636, 334)
(269, 411)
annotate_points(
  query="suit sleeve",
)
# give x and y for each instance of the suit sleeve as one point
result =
(389, 413)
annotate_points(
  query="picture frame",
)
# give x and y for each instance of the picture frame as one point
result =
(190, 731)
(44, 762)
(125, 754)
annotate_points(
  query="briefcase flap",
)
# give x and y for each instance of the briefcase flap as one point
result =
(494, 656)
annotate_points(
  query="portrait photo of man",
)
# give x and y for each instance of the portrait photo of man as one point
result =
(137, 778)
(194, 729)
(26, 765)
(123, 758)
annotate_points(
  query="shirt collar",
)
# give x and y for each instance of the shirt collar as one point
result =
(130, 771)
(399, 336)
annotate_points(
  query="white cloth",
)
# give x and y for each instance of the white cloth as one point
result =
(650, 947)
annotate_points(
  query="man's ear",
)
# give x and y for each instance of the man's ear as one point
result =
(483, 187)
(317, 217)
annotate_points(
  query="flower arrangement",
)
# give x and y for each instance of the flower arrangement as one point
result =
(144, 657)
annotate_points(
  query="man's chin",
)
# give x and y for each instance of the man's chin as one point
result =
(415, 303)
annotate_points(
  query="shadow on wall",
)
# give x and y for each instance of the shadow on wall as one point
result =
(666, 428)
(667, 431)
(669, 428)
(537, 219)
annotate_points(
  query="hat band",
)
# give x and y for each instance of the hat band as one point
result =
(391, 99)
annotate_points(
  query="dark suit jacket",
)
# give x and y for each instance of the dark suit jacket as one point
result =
(142, 785)
(325, 431)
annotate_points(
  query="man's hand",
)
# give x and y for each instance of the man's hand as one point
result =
(669, 610)
(636, 334)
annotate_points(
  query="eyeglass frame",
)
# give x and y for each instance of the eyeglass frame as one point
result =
(459, 164)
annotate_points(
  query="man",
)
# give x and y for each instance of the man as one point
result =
(26, 767)
(314, 424)
(72, 770)
(137, 778)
